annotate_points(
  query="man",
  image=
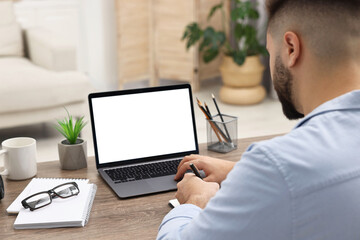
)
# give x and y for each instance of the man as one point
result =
(303, 185)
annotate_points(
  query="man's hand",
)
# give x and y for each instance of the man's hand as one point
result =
(195, 191)
(215, 169)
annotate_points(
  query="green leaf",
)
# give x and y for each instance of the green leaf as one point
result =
(253, 14)
(237, 13)
(209, 32)
(244, 10)
(239, 57)
(247, 6)
(211, 43)
(239, 31)
(61, 131)
(192, 34)
(221, 37)
(208, 36)
(210, 54)
(228, 49)
(69, 130)
(250, 34)
(214, 9)
(185, 35)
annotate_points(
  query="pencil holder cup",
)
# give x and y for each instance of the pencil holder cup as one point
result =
(222, 133)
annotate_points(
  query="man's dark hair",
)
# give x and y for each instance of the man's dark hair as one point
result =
(350, 7)
(331, 28)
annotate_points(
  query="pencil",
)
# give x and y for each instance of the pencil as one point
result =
(222, 119)
(215, 127)
(207, 108)
(211, 123)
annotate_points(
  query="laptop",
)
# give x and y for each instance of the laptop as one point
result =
(141, 135)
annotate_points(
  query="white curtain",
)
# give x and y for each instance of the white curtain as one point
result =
(98, 43)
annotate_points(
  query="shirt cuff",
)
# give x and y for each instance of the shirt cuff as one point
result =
(180, 215)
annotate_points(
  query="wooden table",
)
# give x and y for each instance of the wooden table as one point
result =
(110, 218)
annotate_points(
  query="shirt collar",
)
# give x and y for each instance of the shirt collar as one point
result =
(348, 101)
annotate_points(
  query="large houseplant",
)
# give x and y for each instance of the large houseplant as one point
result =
(72, 150)
(241, 67)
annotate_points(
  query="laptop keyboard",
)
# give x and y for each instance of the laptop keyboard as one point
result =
(138, 172)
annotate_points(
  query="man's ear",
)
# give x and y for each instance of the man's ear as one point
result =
(292, 48)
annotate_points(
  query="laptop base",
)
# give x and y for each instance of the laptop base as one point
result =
(140, 187)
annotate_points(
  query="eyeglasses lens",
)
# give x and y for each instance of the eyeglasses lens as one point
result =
(66, 190)
(39, 200)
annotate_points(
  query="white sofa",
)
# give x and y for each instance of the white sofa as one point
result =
(36, 89)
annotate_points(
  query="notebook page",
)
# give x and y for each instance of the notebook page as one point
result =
(38, 185)
(60, 213)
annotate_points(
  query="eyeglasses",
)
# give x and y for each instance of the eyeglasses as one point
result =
(42, 199)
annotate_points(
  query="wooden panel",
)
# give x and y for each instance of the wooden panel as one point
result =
(170, 50)
(149, 39)
(133, 39)
(210, 70)
(171, 58)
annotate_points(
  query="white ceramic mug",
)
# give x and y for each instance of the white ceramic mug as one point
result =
(20, 158)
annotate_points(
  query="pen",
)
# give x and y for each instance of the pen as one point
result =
(195, 170)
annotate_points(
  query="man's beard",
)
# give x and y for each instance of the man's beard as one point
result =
(283, 81)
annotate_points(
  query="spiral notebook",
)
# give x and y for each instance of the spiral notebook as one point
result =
(70, 212)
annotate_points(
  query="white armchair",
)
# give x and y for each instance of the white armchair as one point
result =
(51, 51)
(35, 90)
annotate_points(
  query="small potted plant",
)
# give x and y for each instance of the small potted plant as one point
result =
(72, 150)
(241, 68)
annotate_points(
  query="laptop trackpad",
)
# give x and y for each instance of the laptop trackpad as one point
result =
(152, 185)
(162, 183)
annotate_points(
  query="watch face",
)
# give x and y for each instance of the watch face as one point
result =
(2, 191)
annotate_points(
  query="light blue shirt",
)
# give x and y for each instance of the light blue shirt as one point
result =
(303, 185)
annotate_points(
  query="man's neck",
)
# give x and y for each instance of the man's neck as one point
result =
(321, 87)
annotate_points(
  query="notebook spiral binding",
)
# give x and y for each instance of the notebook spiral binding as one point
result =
(90, 203)
(68, 179)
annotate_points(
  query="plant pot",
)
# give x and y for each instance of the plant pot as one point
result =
(73, 156)
(242, 84)
(242, 96)
(247, 75)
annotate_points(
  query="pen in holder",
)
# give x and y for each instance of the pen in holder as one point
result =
(222, 133)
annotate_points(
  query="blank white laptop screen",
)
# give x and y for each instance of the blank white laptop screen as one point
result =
(143, 125)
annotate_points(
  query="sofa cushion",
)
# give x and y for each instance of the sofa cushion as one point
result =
(25, 86)
(6, 12)
(11, 42)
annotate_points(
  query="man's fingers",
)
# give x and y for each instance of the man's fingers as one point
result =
(187, 159)
(209, 179)
(181, 171)
(186, 166)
